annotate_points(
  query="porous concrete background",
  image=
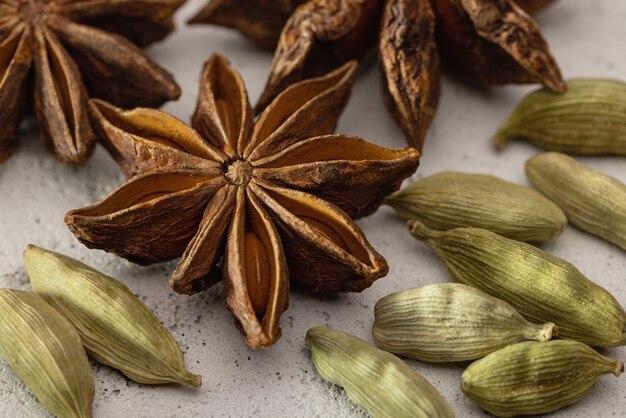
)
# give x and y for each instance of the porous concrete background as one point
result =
(587, 39)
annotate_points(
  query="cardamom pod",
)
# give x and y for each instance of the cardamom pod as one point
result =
(591, 200)
(45, 351)
(378, 381)
(448, 322)
(535, 378)
(589, 118)
(542, 287)
(450, 200)
(117, 329)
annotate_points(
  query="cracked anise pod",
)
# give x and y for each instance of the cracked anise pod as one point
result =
(495, 42)
(265, 200)
(410, 66)
(319, 36)
(488, 41)
(76, 49)
(261, 21)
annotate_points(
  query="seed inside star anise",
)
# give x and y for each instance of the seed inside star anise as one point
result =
(76, 49)
(263, 201)
(485, 41)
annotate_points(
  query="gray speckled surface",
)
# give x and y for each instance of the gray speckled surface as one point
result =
(586, 37)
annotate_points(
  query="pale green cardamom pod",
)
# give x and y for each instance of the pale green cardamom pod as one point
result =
(448, 322)
(378, 381)
(589, 118)
(451, 200)
(591, 200)
(46, 352)
(117, 329)
(542, 287)
(532, 378)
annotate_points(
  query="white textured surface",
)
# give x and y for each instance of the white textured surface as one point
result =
(36, 192)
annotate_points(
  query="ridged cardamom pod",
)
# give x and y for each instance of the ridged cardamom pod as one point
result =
(451, 200)
(535, 378)
(591, 200)
(117, 329)
(542, 287)
(45, 351)
(378, 381)
(447, 322)
(589, 118)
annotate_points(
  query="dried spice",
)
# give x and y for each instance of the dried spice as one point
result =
(319, 36)
(495, 42)
(261, 21)
(489, 42)
(592, 201)
(378, 381)
(534, 378)
(452, 200)
(542, 287)
(264, 201)
(448, 322)
(589, 119)
(46, 352)
(410, 66)
(116, 328)
(75, 50)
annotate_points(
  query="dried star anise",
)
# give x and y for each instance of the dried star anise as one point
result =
(265, 201)
(495, 42)
(75, 50)
(261, 21)
(487, 41)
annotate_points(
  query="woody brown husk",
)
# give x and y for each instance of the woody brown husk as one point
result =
(264, 202)
(78, 50)
(484, 41)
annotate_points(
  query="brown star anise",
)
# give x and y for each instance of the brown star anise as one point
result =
(258, 20)
(486, 41)
(265, 201)
(78, 48)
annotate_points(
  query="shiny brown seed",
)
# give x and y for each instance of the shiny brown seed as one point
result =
(258, 272)
(200, 192)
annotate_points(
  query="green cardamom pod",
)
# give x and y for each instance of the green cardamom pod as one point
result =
(591, 200)
(542, 287)
(378, 381)
(448, 322)
(452, 200)
(46, 352)
(117, 329)
(589, 118)
(532, 378)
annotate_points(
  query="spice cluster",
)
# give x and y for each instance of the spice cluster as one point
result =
(264, 197)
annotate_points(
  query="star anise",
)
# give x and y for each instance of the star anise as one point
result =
(258, 20)
(264, 201)
(76, 49)
(486, 41)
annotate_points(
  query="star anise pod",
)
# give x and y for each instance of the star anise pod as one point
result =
(261, 21)
(265, 201)
(77, 49)
(487, 41)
